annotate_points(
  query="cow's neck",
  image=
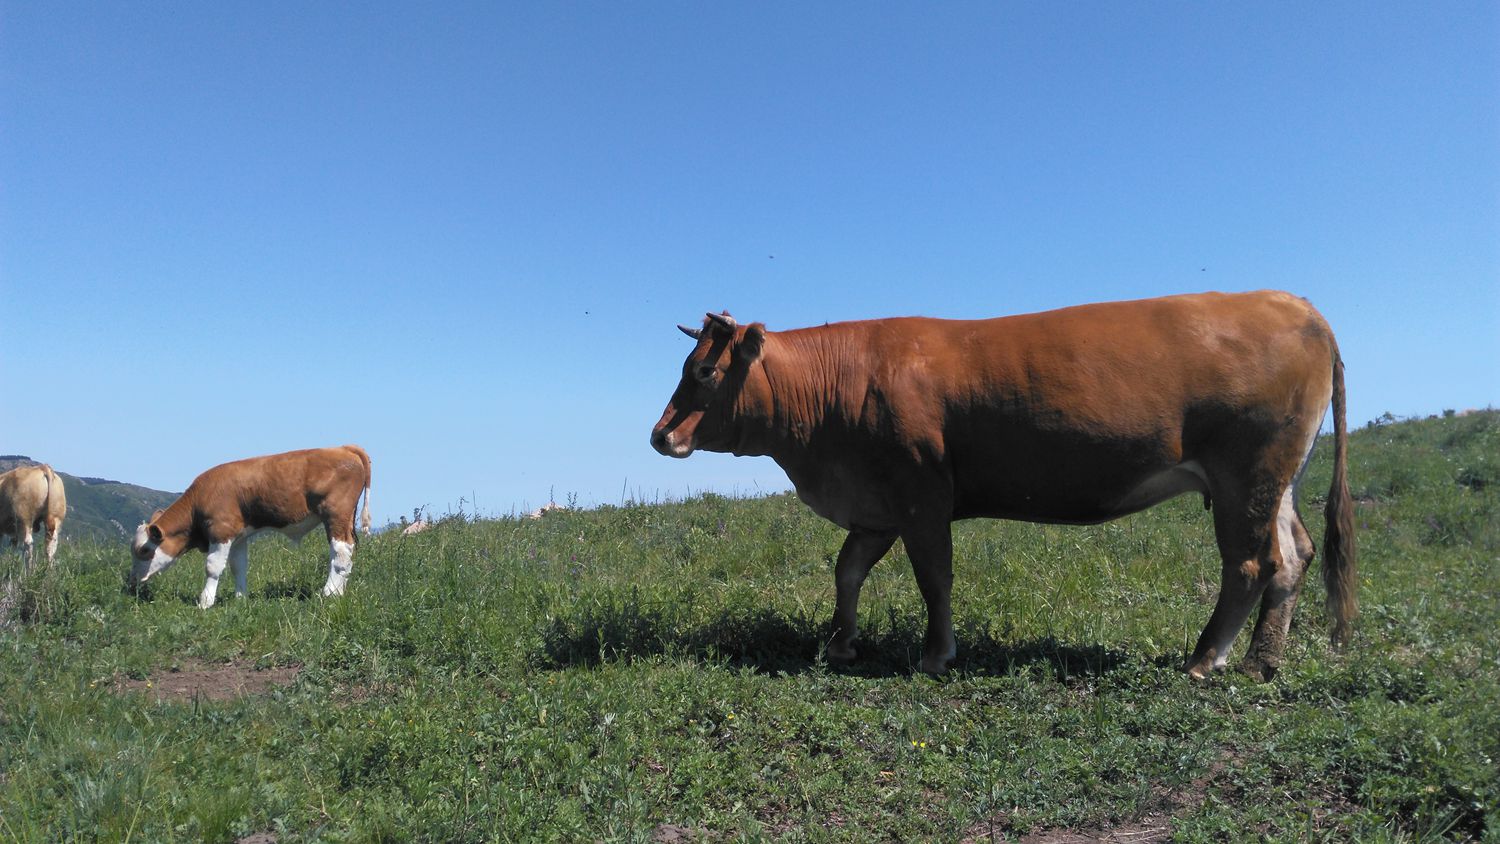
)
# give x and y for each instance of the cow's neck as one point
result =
(805, 389)
(176, 525)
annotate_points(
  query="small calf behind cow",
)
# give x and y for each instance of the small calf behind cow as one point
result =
(32, 501)
(229, 504)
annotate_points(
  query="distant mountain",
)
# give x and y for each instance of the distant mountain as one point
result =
(98, 508)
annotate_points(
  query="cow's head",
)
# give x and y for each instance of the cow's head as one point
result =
(147, 557)
(702, 412)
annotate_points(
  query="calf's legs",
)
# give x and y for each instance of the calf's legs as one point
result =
(216, 560)
(239, 563)
(340, 563)
(235, 555)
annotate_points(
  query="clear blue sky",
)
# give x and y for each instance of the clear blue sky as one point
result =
(461, 234)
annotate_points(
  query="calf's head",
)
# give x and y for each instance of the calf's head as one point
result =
(147, 557)
(704, 410)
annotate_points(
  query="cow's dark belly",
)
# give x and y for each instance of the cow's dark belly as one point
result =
(1064, 472)
(852, 497)
(1026, 477)
(1079, 500)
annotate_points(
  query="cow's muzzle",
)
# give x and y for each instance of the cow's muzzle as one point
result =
(667, 443)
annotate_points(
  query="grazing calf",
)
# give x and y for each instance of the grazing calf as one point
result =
(31, 500)
(292, 493)
(897, 427)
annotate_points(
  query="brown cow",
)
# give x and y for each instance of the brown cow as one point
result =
(898, 427)
(226, 506)
(32, 500)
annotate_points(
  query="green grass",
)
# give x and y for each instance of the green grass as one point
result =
(597, 675)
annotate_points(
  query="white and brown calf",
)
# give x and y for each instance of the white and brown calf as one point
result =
(229, 504)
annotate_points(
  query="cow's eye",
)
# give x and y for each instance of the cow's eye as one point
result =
(706, 373)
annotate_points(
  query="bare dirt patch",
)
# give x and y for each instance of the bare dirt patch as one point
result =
(193, 679)
(1148, 830)
(1152, 827)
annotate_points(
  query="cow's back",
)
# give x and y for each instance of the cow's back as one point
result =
(278, 489)
(1058, 415)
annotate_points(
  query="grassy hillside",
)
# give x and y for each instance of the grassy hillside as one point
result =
(100, 509)
(652, 672)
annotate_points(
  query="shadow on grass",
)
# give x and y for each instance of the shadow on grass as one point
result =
(145, 593)
(152, 591)
(303, 591)
(769, 641)
(148, 592)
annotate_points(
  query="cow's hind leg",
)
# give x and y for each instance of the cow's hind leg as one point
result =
(28, 549)
(340, 559)
(217, 558)
(54, 527)
(1245, 527)
(860, 553)
(1279, 602)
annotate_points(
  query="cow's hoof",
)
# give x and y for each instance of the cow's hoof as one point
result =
(1204, 665)
(841, 654)
(1259, 670)
(936, 666)
(1201, 670)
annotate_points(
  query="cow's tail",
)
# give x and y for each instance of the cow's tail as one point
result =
(364, 519)
(1340, 574)
(39, 521)
(47, 498)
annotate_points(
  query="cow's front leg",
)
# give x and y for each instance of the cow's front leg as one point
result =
(239, 563)
(218, 557)
(340, 563)
(931, 550)
(860, 553)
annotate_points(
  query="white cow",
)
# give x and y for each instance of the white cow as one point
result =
(31, 500)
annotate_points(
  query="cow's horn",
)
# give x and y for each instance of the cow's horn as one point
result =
(724, 320)
(691, 332)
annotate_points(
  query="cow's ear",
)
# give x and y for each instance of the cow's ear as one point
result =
(752, 343)
(155, 533)
(156, 515)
